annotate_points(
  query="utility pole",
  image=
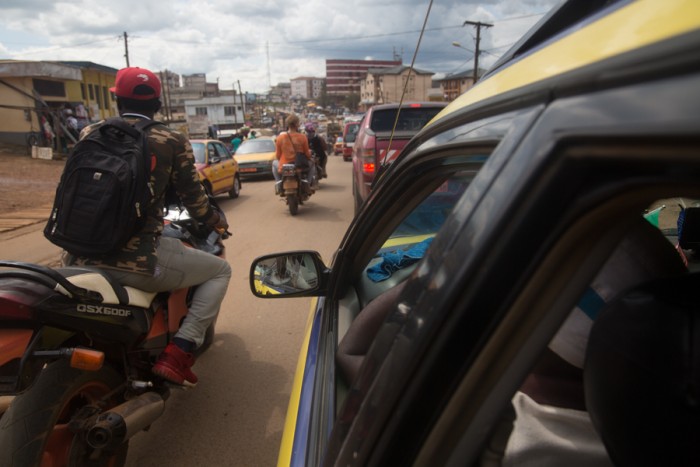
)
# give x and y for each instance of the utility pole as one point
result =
(478, 25)
(242, 102)
(126, 48)
(269, 80)
(235, 112)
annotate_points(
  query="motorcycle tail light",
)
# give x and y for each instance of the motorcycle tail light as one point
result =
(87, 359)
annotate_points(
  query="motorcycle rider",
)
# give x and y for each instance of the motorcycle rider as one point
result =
(287, 145)
(155, 263)
(318, 146)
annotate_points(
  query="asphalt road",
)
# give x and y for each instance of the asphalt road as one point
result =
(235, 416)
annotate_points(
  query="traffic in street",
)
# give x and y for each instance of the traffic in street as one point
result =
(235, 415)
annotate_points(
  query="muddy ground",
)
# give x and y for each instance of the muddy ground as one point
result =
(26, 183)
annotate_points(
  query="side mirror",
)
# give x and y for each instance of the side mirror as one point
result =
(290, 274)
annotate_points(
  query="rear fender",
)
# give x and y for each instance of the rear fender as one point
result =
(19, 366)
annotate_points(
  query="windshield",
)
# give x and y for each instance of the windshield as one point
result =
(253, 146)
(410, 118)
(352, 132)
(199, 155)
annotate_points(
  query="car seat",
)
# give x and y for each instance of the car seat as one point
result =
(642, 374)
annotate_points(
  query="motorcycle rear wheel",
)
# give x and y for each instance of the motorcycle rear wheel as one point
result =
(34, 431)
(293, 203)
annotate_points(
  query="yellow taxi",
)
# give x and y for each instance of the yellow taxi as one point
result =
(255, 157)
(217, 168)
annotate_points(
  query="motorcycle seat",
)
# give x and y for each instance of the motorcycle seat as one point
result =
(112, 292)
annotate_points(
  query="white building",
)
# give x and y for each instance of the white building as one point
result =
(219, 111)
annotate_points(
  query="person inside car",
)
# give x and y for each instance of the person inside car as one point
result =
(548, 423)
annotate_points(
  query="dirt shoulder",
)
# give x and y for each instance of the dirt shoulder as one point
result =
(26, 183)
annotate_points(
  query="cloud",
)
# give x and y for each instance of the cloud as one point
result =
(233, 40)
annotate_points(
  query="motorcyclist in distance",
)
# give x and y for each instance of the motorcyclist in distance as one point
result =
(318, 146)
(287, 145)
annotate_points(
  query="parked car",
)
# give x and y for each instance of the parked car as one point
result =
(217, 168)
(349, 134)
(499, 218)
(381, 137)
(255, 156)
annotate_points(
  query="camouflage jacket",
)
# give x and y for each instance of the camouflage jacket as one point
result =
(172, 164)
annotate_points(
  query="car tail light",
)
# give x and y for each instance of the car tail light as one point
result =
(368, 167)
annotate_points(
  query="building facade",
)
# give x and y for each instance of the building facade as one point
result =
(35, 96)
(304, 87)
(456, 84)
(387, 85)
(344, 77)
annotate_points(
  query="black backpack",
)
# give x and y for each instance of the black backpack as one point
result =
(104, 193)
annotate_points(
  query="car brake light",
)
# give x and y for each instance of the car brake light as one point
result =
(415, 106)
(368, 167)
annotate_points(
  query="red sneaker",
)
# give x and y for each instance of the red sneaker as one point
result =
(174, 365)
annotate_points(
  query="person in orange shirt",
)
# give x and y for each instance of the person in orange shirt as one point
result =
(287, 145)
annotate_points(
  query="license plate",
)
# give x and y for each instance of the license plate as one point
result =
(247, 170)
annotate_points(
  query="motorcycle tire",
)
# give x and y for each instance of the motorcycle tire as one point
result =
(293, 203)
(34, 430)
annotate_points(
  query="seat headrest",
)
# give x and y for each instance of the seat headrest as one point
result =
(642, 374)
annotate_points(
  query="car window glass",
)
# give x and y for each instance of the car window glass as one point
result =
(198, 150)
(254, 146)
(221, 151)
(410, 119)
(407, 243)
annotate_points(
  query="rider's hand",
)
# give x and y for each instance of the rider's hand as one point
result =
(220, 225)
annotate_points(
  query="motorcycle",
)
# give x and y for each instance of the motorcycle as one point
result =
(76, 351)
(294, 186)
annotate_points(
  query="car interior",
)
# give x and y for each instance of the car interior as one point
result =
(581, 388)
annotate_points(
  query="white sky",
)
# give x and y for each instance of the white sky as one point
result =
(261, 42)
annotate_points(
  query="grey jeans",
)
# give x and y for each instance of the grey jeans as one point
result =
(179, 266)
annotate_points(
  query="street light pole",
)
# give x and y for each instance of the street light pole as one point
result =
(478, 25)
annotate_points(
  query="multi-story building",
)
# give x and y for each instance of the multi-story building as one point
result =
(457, 84)
(305, 87)
(387, 85)
(343, 77)
(281, 92)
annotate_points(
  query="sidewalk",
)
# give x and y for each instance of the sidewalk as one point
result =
(14, 220)
(22, 237)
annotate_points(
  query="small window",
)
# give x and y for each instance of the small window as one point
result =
(49, 88)
(92, 92)
(200, 111)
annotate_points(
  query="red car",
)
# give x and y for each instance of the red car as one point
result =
(376, 130)
(349, 134)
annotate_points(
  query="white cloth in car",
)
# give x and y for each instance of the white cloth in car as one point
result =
(544, 435)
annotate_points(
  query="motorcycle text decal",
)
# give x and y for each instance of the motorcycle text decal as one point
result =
(102, 310)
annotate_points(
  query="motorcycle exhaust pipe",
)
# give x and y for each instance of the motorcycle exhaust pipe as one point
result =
(120, 423)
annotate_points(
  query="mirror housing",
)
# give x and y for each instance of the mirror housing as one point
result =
(289, 274)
